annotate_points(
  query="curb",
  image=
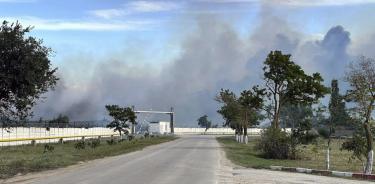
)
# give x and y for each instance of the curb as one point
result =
(325, 172)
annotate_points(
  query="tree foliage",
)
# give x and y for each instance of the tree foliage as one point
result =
(25, 70)
(241, 112)
(337, 109)
(204, 122)
(357, 145)
(121, 117)
(361, 78)
(286, 82)
(230, 108)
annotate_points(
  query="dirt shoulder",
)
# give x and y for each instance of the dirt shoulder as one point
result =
(233, 174)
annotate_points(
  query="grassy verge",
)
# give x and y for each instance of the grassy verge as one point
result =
(312, 156)
(27, 158)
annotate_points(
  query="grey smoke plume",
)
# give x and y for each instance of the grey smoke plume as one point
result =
(328, 56)
(213, 57)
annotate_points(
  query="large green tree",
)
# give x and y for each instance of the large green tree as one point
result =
(337, 116)
(229, 110)
(361, 78)
(286, 82)
(204, 122)
(242, 112)
(25, 71)
(122, 116)
(251, 103)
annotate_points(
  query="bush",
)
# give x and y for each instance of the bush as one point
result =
(274, 143)
(111, 142)
(80, 145)
(356, 145)
(94, 143)
(48, 148)
(309, 137)
(147, 135)
(130, 137)
(324, 132)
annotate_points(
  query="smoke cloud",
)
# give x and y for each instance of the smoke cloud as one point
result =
(214, 56)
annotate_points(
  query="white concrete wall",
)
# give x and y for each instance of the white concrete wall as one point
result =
(223, 131)
(39, 132)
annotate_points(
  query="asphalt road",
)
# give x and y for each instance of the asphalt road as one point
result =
(187, 160)
(190, 159)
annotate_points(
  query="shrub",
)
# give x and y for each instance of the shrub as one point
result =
(130, 137)
(324, 132)
(356, 145)
(94, 143)
(48, 148)
(274, 143)
(111, 142)
(80, 145)
(147, 135)
(309, 137)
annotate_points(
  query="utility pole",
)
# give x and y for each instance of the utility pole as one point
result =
(133, 127)
(171, 122)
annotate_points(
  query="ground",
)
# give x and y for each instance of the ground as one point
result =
(190, 159)
(310, 156)
(27, 158)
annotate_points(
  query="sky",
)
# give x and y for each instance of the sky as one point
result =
(161, 54)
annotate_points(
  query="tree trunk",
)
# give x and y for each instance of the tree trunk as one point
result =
(237, 135)
(369, 139)
(370, 152)
(329, 148)
(133, 129)
(276, 113)
(241, 135)
(327, 156)
(245, 138)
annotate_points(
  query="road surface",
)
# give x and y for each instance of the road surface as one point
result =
(190, 159)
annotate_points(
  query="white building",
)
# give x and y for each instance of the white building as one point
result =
(159, 127)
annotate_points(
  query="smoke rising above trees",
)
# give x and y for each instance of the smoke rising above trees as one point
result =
(212, 56)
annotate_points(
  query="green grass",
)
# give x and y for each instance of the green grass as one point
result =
(311, 156)
(28, 158)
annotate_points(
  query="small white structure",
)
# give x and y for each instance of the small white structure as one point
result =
(159, 127)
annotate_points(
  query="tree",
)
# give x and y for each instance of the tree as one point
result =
(121, 117)
(204, 122)
(25, 71)
(338, 115)
(229, 110)
(286, 82)
(251, 102)
(243, 112)
(319, 118)
(361, 78)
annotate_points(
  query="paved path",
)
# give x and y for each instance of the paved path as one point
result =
(190, 159)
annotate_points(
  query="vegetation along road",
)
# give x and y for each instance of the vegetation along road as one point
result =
(190, 159)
